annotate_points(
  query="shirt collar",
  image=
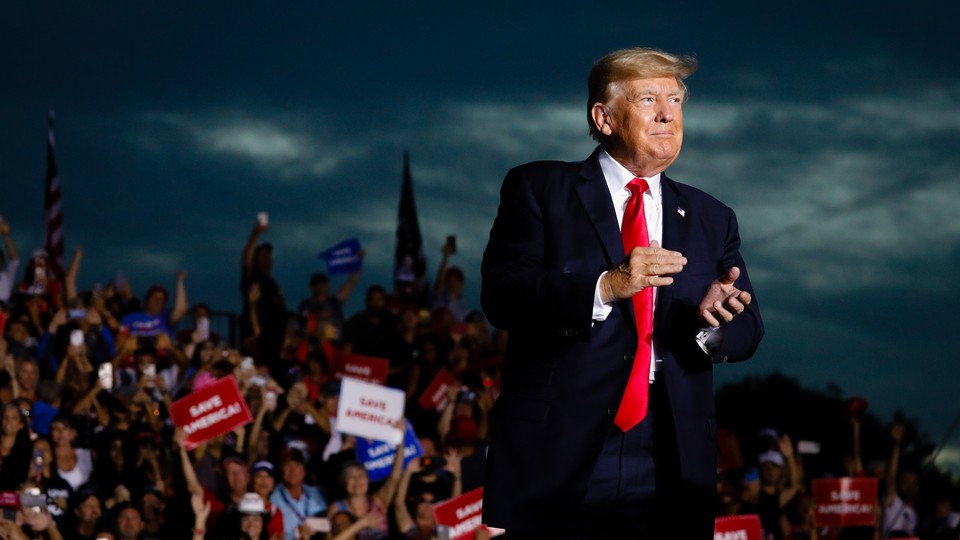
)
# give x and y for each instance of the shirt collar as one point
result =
(618, 176)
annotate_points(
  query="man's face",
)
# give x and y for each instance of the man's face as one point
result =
(28, 375)
(293, 472)
(155, 302)
(642, 123)
(237, 477)
(89, 510)
(129, 523)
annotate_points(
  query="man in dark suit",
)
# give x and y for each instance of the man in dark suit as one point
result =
(605, 424)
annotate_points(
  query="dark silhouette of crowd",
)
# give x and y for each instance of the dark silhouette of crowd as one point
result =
(90, 451)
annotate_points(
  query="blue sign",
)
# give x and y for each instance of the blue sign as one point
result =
(377, 456)
(343, 258)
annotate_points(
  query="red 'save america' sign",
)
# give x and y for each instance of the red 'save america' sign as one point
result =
(213, 410)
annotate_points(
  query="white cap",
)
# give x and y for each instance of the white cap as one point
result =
(771, 456)
(251, 503)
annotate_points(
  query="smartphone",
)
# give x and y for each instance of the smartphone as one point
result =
(77, 313)
(37, 463)
(452, 243)
(318, 524)
(247, 364)
(203, 328)
(76, 338)
(150, 373)
(105, 374)
(263, 219)
(808, 447)
(271, 398)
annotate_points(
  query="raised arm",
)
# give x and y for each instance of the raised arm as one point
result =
(246, 262)
(70, 282)
(896, 433)
(180, 305)
(404, 520)
(8, 240)
(389, 487)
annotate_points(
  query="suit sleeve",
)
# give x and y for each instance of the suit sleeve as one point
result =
(743, 334)
(519, 287)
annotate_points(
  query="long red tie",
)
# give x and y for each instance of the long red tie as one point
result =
(633, 407)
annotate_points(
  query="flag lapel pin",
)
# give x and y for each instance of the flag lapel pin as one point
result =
(682, 212)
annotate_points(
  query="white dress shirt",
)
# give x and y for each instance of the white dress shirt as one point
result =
(617, 177)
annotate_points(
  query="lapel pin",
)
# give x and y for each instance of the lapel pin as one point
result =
(682, 212)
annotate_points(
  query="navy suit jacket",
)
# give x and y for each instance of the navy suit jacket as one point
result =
(564, 374)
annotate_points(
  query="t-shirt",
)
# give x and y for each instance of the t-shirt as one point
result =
(80, 473)
(144, 324)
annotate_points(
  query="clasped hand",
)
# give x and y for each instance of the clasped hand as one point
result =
(643, 267)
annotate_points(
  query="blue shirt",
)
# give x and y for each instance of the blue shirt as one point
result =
(295, 511)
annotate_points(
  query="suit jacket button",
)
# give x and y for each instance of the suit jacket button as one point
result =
(611, 411)
(627, 357)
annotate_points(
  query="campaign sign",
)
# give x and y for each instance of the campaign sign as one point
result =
(344, 257)
(461, 515)
(370, 411)
(745, 527)
(842, 502)
(210, 411)
(435, 397)
(377, 456)
(366, 368)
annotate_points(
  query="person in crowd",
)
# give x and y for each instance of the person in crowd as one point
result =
(155, 320)
(266, 310)
(43, 472)
(374, 331)
(15, 447)
(263, 485)
(899, 493)
(74, 465)
(9, 263)
(777, 490)
(359, 502)
(86, 509)
(321, 313)
(448, 290)
(296, 499)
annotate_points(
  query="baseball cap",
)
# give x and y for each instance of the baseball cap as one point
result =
(262, 466)
(771, 456)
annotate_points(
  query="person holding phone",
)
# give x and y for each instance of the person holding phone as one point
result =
(448, 290)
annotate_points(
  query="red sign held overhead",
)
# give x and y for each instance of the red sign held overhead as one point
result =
(461, 514)
(366, 368)
(211, 411)
(842, 502)
(435, 397)
(745, 527)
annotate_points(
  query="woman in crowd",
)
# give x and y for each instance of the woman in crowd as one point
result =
(14, 448)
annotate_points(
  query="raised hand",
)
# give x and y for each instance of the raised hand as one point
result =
(723, 301)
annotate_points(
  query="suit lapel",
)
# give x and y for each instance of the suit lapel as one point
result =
(676, 220)
(594, 195)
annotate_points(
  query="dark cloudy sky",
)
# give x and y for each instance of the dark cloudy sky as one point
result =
(831, 127)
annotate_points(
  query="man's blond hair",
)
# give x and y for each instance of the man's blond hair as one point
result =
(634, 63)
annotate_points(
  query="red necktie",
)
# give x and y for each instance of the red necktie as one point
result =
(633, 407)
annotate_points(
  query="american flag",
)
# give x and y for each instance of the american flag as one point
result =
(53, 211)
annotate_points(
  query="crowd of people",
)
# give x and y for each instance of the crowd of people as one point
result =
(88, 448)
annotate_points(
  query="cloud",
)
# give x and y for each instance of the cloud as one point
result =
(279, 144)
